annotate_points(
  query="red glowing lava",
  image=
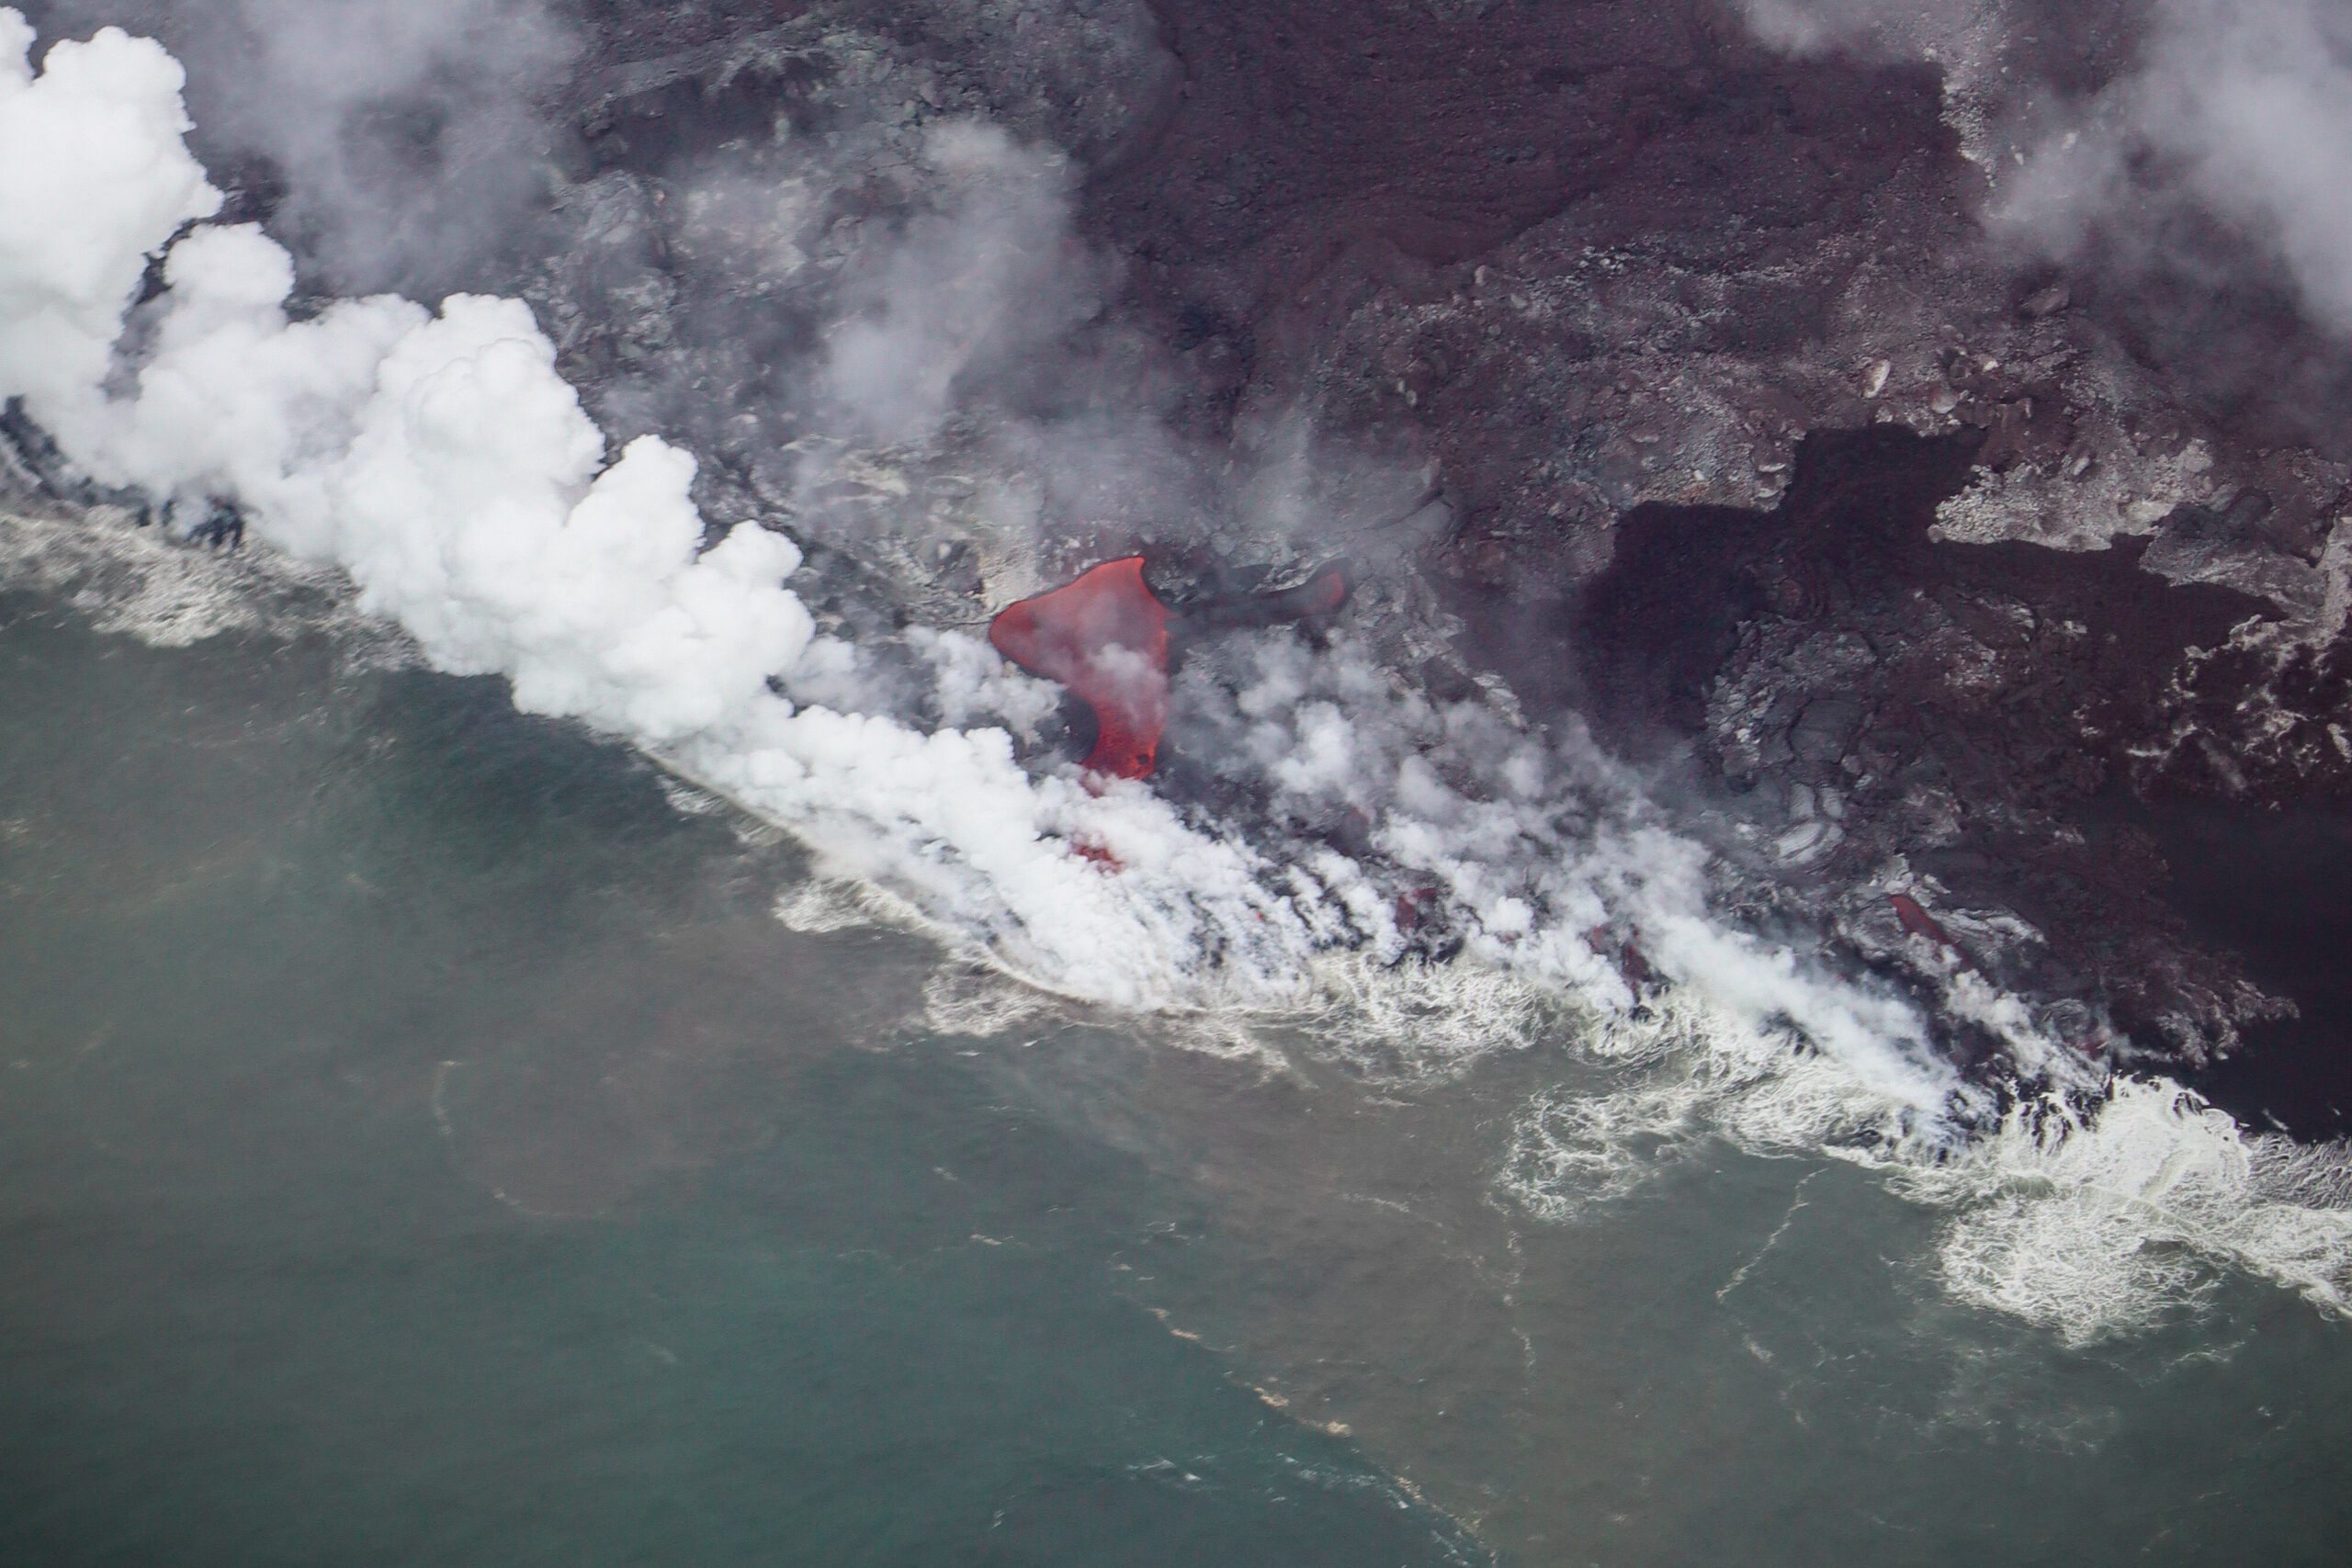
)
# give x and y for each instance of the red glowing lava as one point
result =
(1105, 638)
(1916, 921)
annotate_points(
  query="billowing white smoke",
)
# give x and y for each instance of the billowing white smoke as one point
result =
(2249, 107)
(93, 177)
(2242, 108)
(1544, 853)
(441, 461)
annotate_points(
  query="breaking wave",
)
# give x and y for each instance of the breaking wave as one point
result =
(2094, 1220)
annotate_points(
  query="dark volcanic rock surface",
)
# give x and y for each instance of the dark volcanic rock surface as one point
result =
(2271, 884)
(1871, 698)
(1596, 260)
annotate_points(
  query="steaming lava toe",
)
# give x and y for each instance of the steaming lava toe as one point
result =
(1104, 637)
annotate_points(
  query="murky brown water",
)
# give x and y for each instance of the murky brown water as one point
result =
(420, 1142)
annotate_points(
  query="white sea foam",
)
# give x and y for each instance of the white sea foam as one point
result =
(137, 582)
(2105, 1223)
(437, 459)
(2092, 1222)
(1677, 1071)
(1410, 1023)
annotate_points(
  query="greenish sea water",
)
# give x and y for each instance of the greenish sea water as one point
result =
(421, 1143)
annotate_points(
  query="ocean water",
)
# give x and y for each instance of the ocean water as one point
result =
(421, 1144)
(420, 1141)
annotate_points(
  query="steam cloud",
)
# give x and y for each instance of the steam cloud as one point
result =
(2237, 108)
(967, 288)
(2248, 108)
(440, 459)
(1811, 27)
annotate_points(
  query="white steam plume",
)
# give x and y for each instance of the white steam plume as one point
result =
(2244, 108)
(441, 461)
(2237, 108)
(93, 178)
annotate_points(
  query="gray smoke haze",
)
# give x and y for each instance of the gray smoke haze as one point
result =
(2121, 139)
(987, 279)
(408, 131)
(2244, 108)
(1893, 27)
(403, 142)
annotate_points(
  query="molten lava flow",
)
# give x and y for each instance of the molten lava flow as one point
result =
(1916, 921)
(1105, 638)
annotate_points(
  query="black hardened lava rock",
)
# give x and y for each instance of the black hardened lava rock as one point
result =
(1996, 716)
